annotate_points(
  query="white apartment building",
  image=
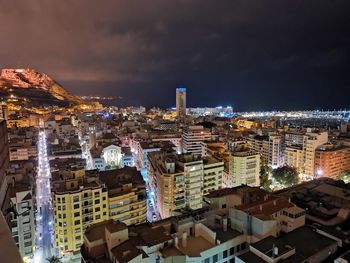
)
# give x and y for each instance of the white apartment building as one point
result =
(192, 137)
(213, 171)
(192, 168)
(246, 168)
(294, 157)
(275, 158)
(270, 148)
(23, 224)
(311, 141)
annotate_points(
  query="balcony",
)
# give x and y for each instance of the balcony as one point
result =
(180, 202)
(87, 204)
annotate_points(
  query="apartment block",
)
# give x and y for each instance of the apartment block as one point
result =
(331, 160)
(192, 136)
(77, 203)
(167, 183)
(311, 141)
(126, 195)
(294, 157)
(192, 168)
(22, 224)
(270, 148)
(84, 198)
(213, 170)
(246, 168)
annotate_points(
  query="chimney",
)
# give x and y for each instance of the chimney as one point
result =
(274, 251)
(184, 239)
(224, 224)
(176, 241)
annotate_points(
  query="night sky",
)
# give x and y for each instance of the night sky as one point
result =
(253, 55)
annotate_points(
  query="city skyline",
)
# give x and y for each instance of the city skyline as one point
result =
(252, 56)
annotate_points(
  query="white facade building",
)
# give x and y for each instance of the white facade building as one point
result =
(192, 137)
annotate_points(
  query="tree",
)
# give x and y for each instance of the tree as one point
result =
(286, 175)
(265, 181)
(54, 259)
(345, 177)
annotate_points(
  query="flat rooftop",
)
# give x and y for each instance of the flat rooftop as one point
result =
(296, 239)
(195, 245)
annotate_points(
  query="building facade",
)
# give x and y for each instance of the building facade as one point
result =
(192, 137)
(332, 161)
(181, 102)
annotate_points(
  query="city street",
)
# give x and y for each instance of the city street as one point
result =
(152, 213)
(44, 217)
(86, 153)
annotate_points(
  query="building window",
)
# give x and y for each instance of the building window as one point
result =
(28, 244)
(97, 202)
(97, 209)
(76, 206)
(232, 251)
(76, 222)
(224, 254)
(215, 258)
(76, 214)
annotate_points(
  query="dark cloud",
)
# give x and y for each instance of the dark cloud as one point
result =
(251, 54)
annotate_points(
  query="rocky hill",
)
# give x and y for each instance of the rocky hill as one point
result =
(36, 88)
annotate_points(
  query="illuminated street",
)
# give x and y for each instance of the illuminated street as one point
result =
(85, 152)
(44, 218)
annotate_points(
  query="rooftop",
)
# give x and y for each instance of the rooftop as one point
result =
(97, 231)
(195, 245)
(267, 207)
(295, 239)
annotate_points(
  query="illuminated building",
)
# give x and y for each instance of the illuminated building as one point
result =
(246, 168)
(179, 181)
(213, 170)
(167, 183)
(300, 149)
(181, 102)
(270, 148)
(77, 203)
(18, 122)
(294, 157)
(126, 195)
(311, 141)
(84, 199)
(332, 161)
(192, 137)
(113, 156)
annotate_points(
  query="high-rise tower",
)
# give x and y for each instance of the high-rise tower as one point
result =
(181, 101)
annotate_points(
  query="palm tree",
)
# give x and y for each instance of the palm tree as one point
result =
(54, 259)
